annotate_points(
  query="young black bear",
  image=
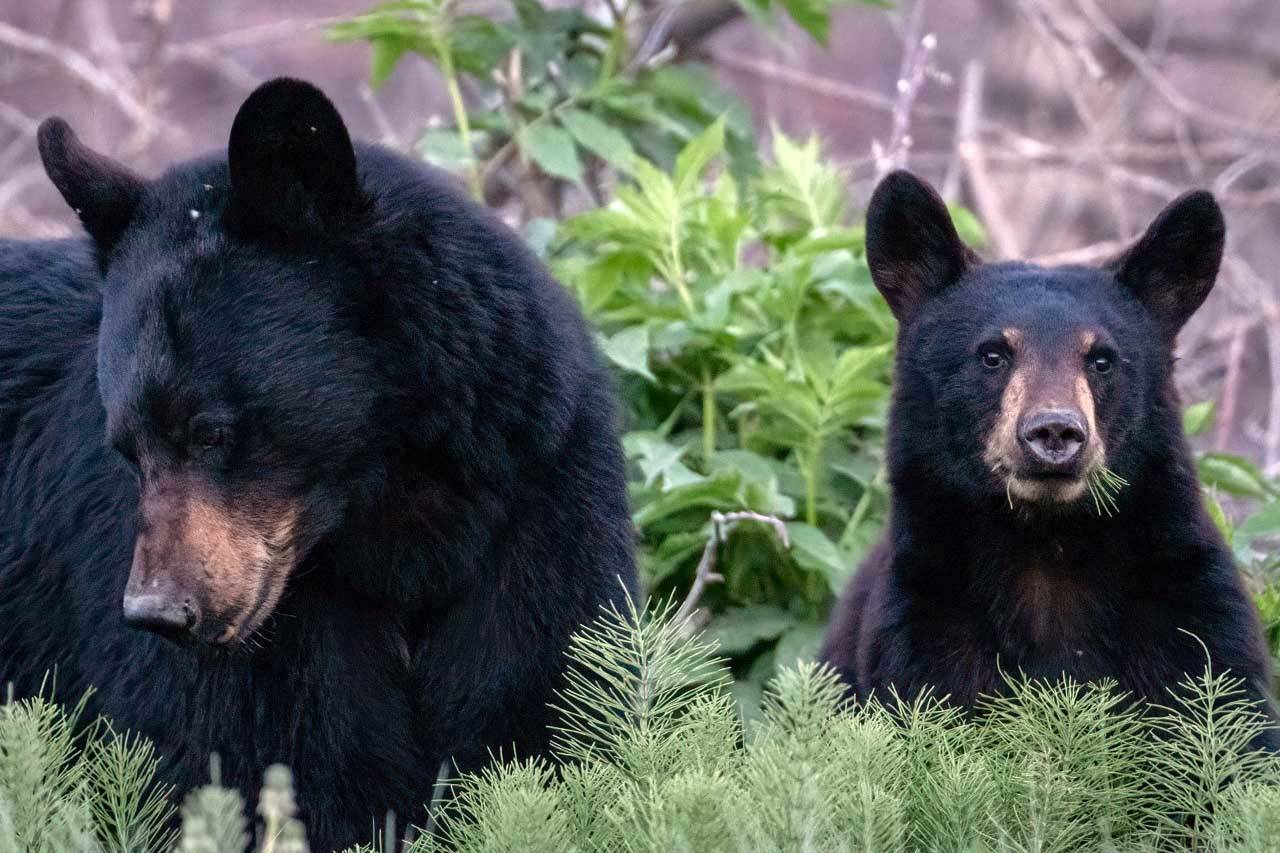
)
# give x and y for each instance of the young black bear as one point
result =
(314, 413)
(1015, 385)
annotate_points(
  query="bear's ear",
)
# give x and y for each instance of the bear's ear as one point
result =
(1172, 267)
(102, 192)
(913, 249)
(291, 161)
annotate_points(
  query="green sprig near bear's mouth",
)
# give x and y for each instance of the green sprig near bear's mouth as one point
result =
(1104, 485)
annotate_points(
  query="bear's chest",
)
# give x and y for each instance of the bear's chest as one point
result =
(1046, 611)
(1050, 620)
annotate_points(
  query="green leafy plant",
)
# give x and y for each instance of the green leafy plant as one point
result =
(1104, 486)
(754, 357)
(560, 98)
(651, 755)
(66, 787)
(1255, 534)
(1051, 767)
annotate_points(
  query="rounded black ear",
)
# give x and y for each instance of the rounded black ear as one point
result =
(913, 249)
(1172, 267)
(291, 161)
(102, 192)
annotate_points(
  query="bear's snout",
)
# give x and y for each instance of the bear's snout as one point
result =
(167, 613)
(1053, 441)
(206, 566)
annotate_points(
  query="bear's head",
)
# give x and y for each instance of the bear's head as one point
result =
(1044, 388)
(234, 380)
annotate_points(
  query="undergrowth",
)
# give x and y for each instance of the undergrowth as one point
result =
(653, 755)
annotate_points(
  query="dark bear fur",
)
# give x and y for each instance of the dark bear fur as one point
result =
(993, 566)
(328, 361)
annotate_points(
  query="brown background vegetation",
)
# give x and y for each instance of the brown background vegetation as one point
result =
(1065, 124)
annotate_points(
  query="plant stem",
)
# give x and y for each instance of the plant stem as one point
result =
(809, 469)
(617, 41)
(460, 117)
(708, 418)
(677, 265)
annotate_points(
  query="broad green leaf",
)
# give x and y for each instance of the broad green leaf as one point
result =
(813, 16)
(856, 542)
(1198, 417)
(1264, 522)
(968, 226)
(751, 466)
(553, 149)
(478, 44)
(694, 157)
(718, 492)
(593, 134)
(804, 197)
(629, 349)
(1219, 517)
(443, 147)
(539, 233)
(672, 553)
(739, 629)
(759, 479)
(852, 239)
(815, 552)
(800, 643)
(1234, 475)
(857, 363)
(384, 54)
(659, 458)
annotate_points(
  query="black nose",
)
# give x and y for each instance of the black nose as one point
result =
(1053, 440)
(168, 616)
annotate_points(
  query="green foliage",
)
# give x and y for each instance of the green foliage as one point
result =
(1051, 767)
(90, 792)
(280, 832)
(754, 358)
(566, 92)
(813, 16)
(571, 95)
(653, 756)
(634, 681)
(213, 819)
(1255, 535)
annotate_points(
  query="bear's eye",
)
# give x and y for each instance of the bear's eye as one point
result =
(1100, 363)
(205, 434)
(213, 437)
(993, 359)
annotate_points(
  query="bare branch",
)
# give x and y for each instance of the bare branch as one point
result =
(1230, 387)
(1161, 84)
(917, 51)
(706, 573)
(81, 67)
(973, 155)
(1090, 254)
(824, 87)
(389, 135)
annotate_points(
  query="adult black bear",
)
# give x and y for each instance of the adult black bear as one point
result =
(313, 411)
(1015, 386)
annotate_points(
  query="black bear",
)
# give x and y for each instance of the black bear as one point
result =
(1045, 515)
(311, 412)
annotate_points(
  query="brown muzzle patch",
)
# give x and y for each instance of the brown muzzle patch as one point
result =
(1042, 383)
(224, 558)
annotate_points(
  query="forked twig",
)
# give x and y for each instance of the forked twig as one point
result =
(706, 573)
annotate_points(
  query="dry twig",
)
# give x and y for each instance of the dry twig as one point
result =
(706, 573)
